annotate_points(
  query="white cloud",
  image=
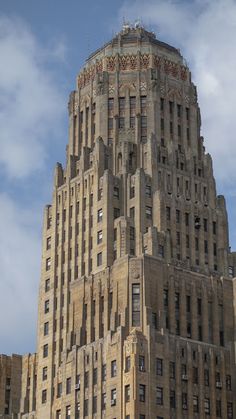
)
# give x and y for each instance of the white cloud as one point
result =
(31, 104)
(206, 32)
(20, 249)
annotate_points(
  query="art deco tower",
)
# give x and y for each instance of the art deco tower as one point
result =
(136, 316)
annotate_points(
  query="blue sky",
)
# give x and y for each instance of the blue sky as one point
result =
(42, 47)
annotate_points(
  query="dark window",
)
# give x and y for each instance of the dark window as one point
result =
(207, 408)
(184, 401)
(135, 304)
(159, 366)
(45, 350)
(95, 376)
(113, 397)
(59, 389)
(113, 368)
(104, 372)
(127, 364)
(188, 303)
(218, 408)
(195, 404)
(46, 329)
(172, 399)
(94, 404)
(86, 407)
(127, 393)
(99, 259)
(142, 389)
(44, 396)
(172, 369)
(228, 382)
(100, 215)
(159, 395)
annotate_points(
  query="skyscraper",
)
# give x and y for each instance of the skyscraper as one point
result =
(136, 317)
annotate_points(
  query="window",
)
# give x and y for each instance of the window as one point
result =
(177, 301)
(113, 368)
(207, 409)
(132, 212)
(100, 214)
(47, 285)
(46, 328)
(104, 372)
(159, 366)
(168, 213)
(184, 401)
(195, 375)
(116, 212)
(104, 399)
(45, 373)
(141, 363)
(148, 190)
(206, 246)
(113, 397)
(68, 412)
(142, 389)
(45, 350)
(206, 378)
(46, 306)
(86, 407)
(99, 259)
(44, 396)
(214, 227)
(99, 237)
(110, 103)
(177, 216)
(172, 369)
(110, 123)
(116, 192)
(68, 385)
(229, 410)
(165, 298)
(48, 245)
(58, 414)
(187, 219)
(188, 303)
(127, 393)
(159, 395)
(218, 408)
(59, 389)
(148, 213)
(95, 376)
(228, 383)
(48, 264)
(121, 122)
(127, 363)
(154, 320)
(195, 404)
(135, 304)
(132, 192)
(132, 122)
(172, 399)
(94, 404)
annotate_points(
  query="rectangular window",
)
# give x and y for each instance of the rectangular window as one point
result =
(218, 408)
(59, 389)
(110, 124)
(127, 364)
(68, 412)
(48, 264)
(116, 192)
(48, 243)
(68, 385)
(113, 368)
(187, 219)
(172, 369)
(195, 404)
(47, 285)
(177, 216)
(100, 215)
(229, 410)
(95, 376)
(121, 122)
(184, 401)
(207, 409)
(45, 373)
(148, 190)
(99, 237)
(177, 300)
(86, 407)
(44, 396)
(113, 397)
(159, 395)
(99, 259)
(141, 363)
(104, 400)
(45, 350)
(148, 213)
(159, 366)
(110, 104)
(86, 379)
(127, 393)
(46, 328)
(228, 383)
(104, 372)
(135, 305)
(94, 404)
(168, 213)
(172, 399)
(188, 303)
(142, 391)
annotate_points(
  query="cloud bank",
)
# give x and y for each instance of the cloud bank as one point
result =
(205, 31)
(31, 104)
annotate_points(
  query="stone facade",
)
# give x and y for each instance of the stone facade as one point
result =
(10, 386)
(136, 310)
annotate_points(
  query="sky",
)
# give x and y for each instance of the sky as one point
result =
(43, 45)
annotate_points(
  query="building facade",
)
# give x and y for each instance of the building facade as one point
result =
(136, 314)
